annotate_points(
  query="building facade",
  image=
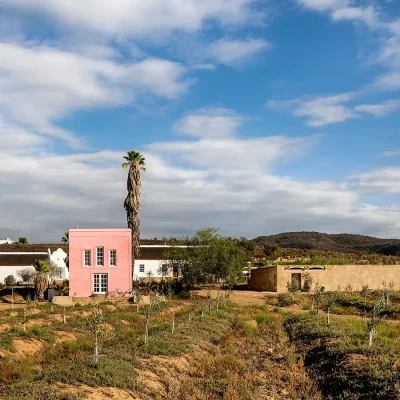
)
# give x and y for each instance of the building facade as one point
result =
(331, 277)
(6, 241)
(100, 261)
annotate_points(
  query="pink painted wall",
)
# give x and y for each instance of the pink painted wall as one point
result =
(81, 276)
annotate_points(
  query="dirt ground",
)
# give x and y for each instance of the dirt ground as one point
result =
(242, 297)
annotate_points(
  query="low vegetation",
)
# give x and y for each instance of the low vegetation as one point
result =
(195, 349)
(339, 357)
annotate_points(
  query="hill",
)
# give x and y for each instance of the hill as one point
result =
(343, 243)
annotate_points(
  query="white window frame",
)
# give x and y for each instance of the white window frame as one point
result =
(140, 268)
(112, 259)
(97, 256)
(100, 283)
(85, 253)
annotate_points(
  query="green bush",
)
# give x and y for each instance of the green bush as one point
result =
(285, 299)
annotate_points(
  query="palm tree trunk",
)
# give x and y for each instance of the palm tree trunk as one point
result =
(132, 207)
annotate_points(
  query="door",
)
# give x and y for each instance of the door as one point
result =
(100, 283)
(297, 277)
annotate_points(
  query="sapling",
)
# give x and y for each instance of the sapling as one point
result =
(24, 319)
(364, 293)
(388, 289)
(95, 325)
(209, 301)
(318, 294)
(330, 301)
(64, 316)
(293, 287)
(376, 318)
(12, 298)
(173, 322)
(151, 309)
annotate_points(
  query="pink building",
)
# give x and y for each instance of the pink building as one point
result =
(100, 261)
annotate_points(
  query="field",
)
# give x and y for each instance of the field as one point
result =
(238, 352)
(218, 348)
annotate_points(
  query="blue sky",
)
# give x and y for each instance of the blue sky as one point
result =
(256, 116)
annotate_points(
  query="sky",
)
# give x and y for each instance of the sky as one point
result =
(254, 116)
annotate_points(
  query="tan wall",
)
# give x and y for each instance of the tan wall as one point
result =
(334, 275)
(263, 279)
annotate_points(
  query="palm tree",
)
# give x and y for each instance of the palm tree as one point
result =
(65, 238)
(135, 162)
(40, 282)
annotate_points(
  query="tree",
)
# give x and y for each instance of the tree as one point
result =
(41, 276)
(136, 163)
(376, 318)
(388, 289)
(365, 291)
(208, 256)
(22, 240)
(330, 300)
(65, 238)
(318, 296)
(26, 274)
(293, 287)
(94, 325)
(54, 271)
(271, 252)
(10, 280)
(308, 281)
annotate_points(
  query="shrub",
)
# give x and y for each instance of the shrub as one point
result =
(10, 280)
(22, 240)
(285, 299)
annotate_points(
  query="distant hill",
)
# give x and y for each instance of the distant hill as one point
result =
(343, 243)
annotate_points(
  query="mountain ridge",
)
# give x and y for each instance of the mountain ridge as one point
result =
(339, 242)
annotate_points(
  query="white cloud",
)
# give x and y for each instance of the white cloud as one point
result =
(210, 123)
(324, 5)
(392, 153)
(382, 180)
(319, 111)
(138, 18)
(229, 182)
(233, 52)
(380, 110)
(39, 85)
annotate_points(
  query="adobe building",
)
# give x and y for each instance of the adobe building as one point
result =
(275, 278)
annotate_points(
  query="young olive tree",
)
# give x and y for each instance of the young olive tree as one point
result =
(388, 290)
(365, 291)
(152, 309)
(293, 287)
(318, 297)
(330, 300)
(94, 325)
(375, 319)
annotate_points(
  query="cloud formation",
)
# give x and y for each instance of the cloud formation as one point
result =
(228, 181)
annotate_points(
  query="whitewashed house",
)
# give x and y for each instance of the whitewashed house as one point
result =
(6, 241)
(13, 261)
(152, 258)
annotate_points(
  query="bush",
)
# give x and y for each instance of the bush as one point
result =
(285, 299)
(22, 240)
(10, 280)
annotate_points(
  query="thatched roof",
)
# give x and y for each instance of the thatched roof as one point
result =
(16, 260)
(31, 248)
(152, 253)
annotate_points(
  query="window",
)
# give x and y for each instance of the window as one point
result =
(113, 258)
(100, 255)
(141, 267)
(100, 283)
(88, 258)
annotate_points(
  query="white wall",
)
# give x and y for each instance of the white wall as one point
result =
(149, 265)
(11, 270)
(8, 241)
(58, 257)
